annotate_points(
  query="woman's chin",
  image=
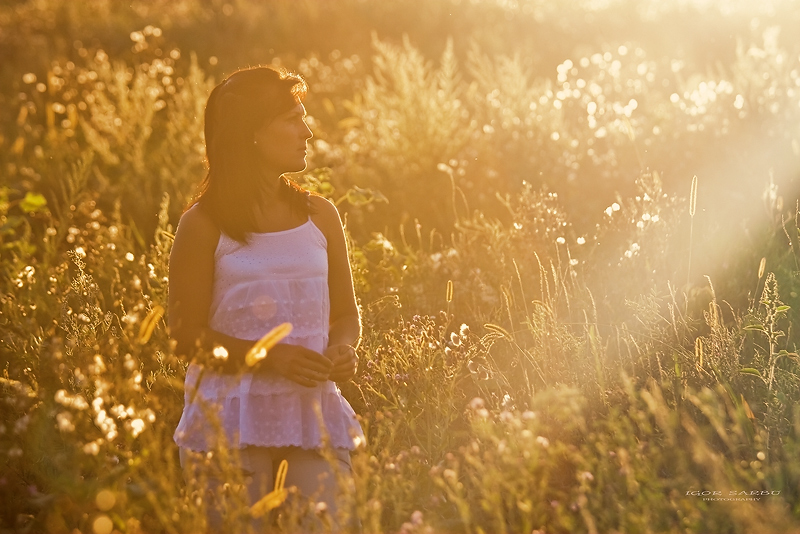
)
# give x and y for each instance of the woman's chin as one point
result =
(299, 167)
(293, 167)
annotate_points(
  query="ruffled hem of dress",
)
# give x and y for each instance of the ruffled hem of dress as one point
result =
(261, 420)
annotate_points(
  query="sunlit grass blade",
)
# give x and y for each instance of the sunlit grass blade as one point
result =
(698, 351)
(259, 351)
(748, 412)
(274, 498)
(498, 329)
(762, 267)
(149, 324)
(692, 207)
(449, 295)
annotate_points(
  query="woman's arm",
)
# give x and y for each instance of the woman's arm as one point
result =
(345, 323)
(191, 278)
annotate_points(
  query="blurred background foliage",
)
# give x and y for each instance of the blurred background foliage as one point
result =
(516, 177)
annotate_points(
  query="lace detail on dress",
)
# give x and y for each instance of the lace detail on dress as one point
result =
(277, 277)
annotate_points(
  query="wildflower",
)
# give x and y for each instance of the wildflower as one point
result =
(91, 448)
(416, 517)
(476, 403)
(543, 441)
(586, 475)
(21, 424)
(220, 352)
(463, 330)
(561, 240)
(64, 420)
(479, 370)
(137, 427)
(450, 476)
(455, 340)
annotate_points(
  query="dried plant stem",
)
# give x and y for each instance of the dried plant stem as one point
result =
(692, 206)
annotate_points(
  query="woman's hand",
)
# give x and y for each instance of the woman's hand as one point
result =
(344, 360)
(299, 364)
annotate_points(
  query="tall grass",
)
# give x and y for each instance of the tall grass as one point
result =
(532, 362)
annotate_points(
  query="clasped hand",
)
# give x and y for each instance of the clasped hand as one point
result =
(309, 368)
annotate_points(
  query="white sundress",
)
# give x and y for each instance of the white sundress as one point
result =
(277, 277)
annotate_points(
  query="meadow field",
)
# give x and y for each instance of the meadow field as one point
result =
(574, 230)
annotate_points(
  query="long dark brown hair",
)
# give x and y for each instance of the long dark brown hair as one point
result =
(236, 108)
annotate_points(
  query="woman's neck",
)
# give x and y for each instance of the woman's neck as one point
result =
(269, 189)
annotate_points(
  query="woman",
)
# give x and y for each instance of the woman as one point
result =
(252, 252)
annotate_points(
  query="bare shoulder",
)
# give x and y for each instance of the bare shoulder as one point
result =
(323, 205)
(197, 228)
(326, 215)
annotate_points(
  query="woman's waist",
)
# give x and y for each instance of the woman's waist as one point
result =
(257, 306)
(216, 385)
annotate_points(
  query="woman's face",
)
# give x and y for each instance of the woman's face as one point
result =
(281, 143)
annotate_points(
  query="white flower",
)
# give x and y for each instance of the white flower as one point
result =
(416, 517)
(220, 352)
(137, 427)
(91, 448)
(476, 403)
(64, 420)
